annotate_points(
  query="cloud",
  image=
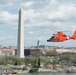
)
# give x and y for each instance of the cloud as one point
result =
(12, 2)
(63, 12)
(8, 40)
(53, 2)
(42, 17)
(31, 14)
(57, 16)
(8, 18)
(31, 32)
(26, 4)
(7, 37)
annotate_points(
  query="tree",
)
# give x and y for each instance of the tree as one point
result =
(51, 53)
(39, 62)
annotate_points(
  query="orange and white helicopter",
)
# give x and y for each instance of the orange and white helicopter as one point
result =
(60, 37)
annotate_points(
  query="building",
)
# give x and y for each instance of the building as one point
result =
(29, 52)
(65, 50)
(38, 42)
(7, 51)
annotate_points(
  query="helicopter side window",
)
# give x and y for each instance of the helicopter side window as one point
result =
(52, 37)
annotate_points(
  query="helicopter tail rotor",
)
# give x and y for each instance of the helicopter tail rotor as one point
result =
(73, 36)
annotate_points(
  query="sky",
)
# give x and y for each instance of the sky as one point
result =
(42, 18)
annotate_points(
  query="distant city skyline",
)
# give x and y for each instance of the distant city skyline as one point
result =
(42, 19)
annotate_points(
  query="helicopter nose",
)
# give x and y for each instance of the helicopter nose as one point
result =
(48, 40)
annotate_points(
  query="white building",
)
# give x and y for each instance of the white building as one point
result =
(65, 50)
(20, 44)
(7, 51)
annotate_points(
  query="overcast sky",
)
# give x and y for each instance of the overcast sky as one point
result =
(42, 19)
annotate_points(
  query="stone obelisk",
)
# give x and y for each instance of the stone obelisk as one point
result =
(20, 44)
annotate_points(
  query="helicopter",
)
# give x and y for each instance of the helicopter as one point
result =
(61, 37)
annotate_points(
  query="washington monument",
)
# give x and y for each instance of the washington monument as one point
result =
(20, 43)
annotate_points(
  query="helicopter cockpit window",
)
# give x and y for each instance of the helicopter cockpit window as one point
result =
(52, 37)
